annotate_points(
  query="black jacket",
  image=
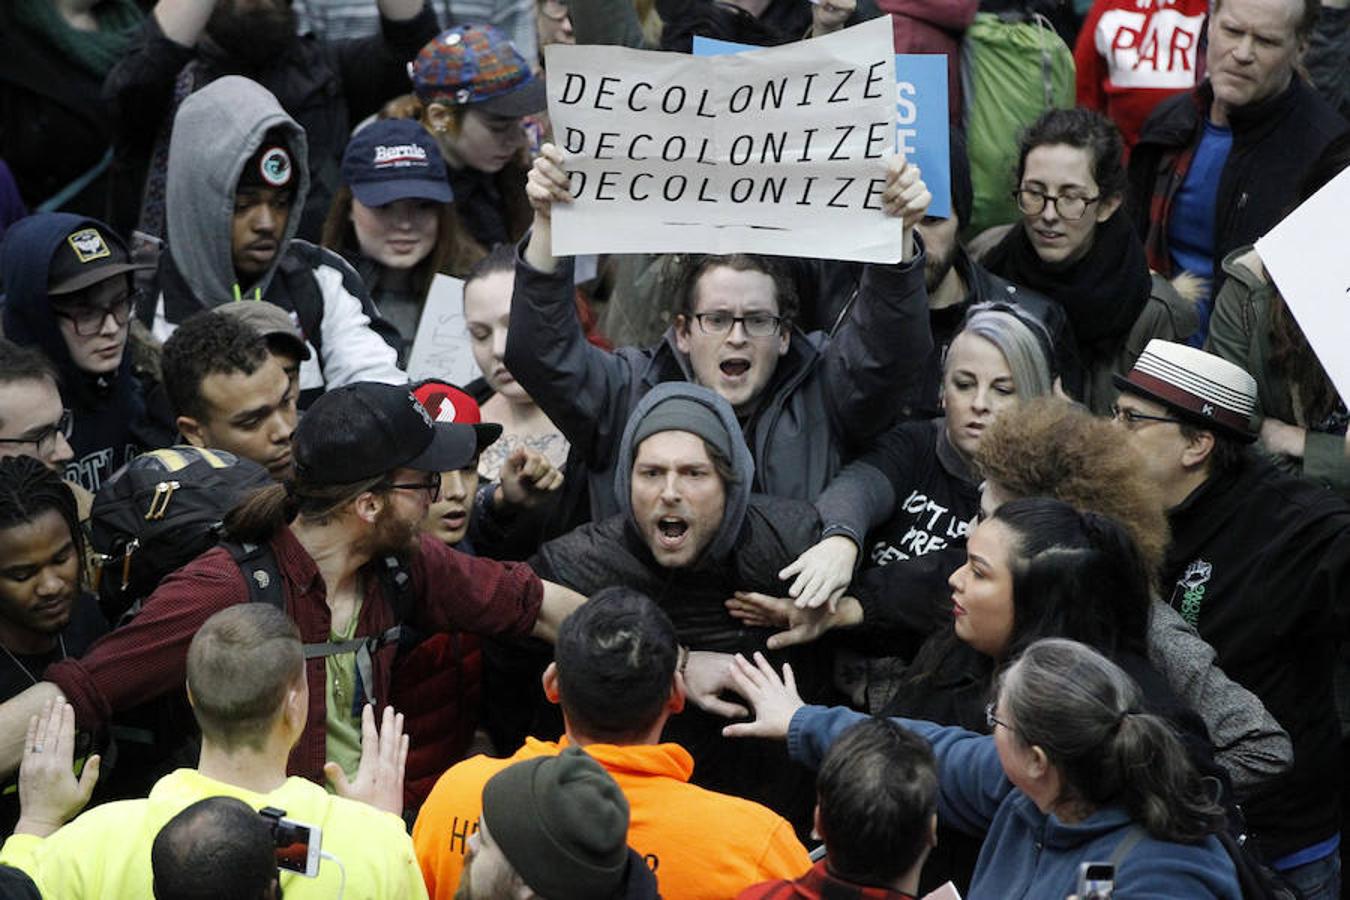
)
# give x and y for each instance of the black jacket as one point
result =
(1260, 563)
(325, 87)
(1274, 141)
(53, 126)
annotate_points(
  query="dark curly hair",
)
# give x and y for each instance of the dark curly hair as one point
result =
(1087, 130)
(28, 489)
(695, 267)
(208, 343)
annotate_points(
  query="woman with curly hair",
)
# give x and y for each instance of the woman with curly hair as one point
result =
(1054, 448)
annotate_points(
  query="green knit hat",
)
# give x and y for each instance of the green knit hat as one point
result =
(562, 823)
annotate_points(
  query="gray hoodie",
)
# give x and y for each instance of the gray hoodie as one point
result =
(216, 131)
(757, 537)
(742, 464)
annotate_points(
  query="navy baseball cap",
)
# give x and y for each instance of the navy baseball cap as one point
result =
(395, 159)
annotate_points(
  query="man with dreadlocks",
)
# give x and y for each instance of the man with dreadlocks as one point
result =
(44, 616)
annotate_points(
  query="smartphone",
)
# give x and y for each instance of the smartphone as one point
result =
(1096, 881)
(297, 843)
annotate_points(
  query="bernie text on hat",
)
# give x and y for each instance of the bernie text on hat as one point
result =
(399, 155)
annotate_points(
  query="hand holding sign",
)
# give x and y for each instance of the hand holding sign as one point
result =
(906, 196)
(546, 185)
(828, 16)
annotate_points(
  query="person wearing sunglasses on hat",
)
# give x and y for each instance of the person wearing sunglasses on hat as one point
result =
(71, 294)
(475, 89)
(1075, 245)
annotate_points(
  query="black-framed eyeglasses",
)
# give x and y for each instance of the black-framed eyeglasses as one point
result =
(1133, 419)
(45, 440)
(755, 324)
(1069, 206)
(991, 719)
(88, 319)
(432, 486)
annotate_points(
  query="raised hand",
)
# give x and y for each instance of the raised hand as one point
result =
(526, 477)
(774, 699)
(49, 793)
(379, 776)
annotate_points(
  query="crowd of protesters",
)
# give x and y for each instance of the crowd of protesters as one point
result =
(1024, 559)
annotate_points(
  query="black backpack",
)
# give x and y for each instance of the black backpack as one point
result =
(158, 513)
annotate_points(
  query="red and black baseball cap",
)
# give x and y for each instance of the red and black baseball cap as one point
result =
(448, 404)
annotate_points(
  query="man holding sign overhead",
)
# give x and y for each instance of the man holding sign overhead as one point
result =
(804, 402)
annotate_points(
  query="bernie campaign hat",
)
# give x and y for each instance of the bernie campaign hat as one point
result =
(394, 159)
(269, 320)
(448, 404)
(90, 254)
(1201, 388)
(366, 429)
(476, 65)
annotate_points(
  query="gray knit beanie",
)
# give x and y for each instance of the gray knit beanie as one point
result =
(685, 414)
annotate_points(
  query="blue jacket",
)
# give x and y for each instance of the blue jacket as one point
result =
(1027, 853)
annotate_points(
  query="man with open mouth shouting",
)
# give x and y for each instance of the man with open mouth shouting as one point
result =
(802, 401)
(688, 534)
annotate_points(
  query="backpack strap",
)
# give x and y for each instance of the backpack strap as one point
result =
(1136, 834)
(258, 564)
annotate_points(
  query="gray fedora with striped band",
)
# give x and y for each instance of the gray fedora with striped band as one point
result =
(1200, 387)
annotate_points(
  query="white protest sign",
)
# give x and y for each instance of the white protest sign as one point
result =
(1306, 256)
(781, 150)
(442, 348)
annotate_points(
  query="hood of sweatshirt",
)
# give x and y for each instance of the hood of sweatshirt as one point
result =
(742, 464)
(215, 132)
(25, 261)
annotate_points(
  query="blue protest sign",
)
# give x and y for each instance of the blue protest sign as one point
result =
(921, 115)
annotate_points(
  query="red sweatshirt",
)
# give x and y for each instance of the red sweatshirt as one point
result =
(1133, 54)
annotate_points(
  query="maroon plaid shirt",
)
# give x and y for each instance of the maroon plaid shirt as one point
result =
(819, 884)
(147, 658)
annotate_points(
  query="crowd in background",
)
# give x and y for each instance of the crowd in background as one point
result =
(1022, 563)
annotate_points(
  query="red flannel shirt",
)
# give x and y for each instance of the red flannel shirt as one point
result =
(147, 657)
(819, 884)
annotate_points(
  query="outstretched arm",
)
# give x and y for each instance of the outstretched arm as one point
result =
(558, 603)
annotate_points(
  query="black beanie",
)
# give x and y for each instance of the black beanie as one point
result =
(562, 823)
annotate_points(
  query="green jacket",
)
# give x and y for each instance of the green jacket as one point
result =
(1239, 331)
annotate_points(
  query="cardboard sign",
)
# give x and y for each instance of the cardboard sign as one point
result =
(780, 150)
(922, 132)
(442, 348)
(1305, 255)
